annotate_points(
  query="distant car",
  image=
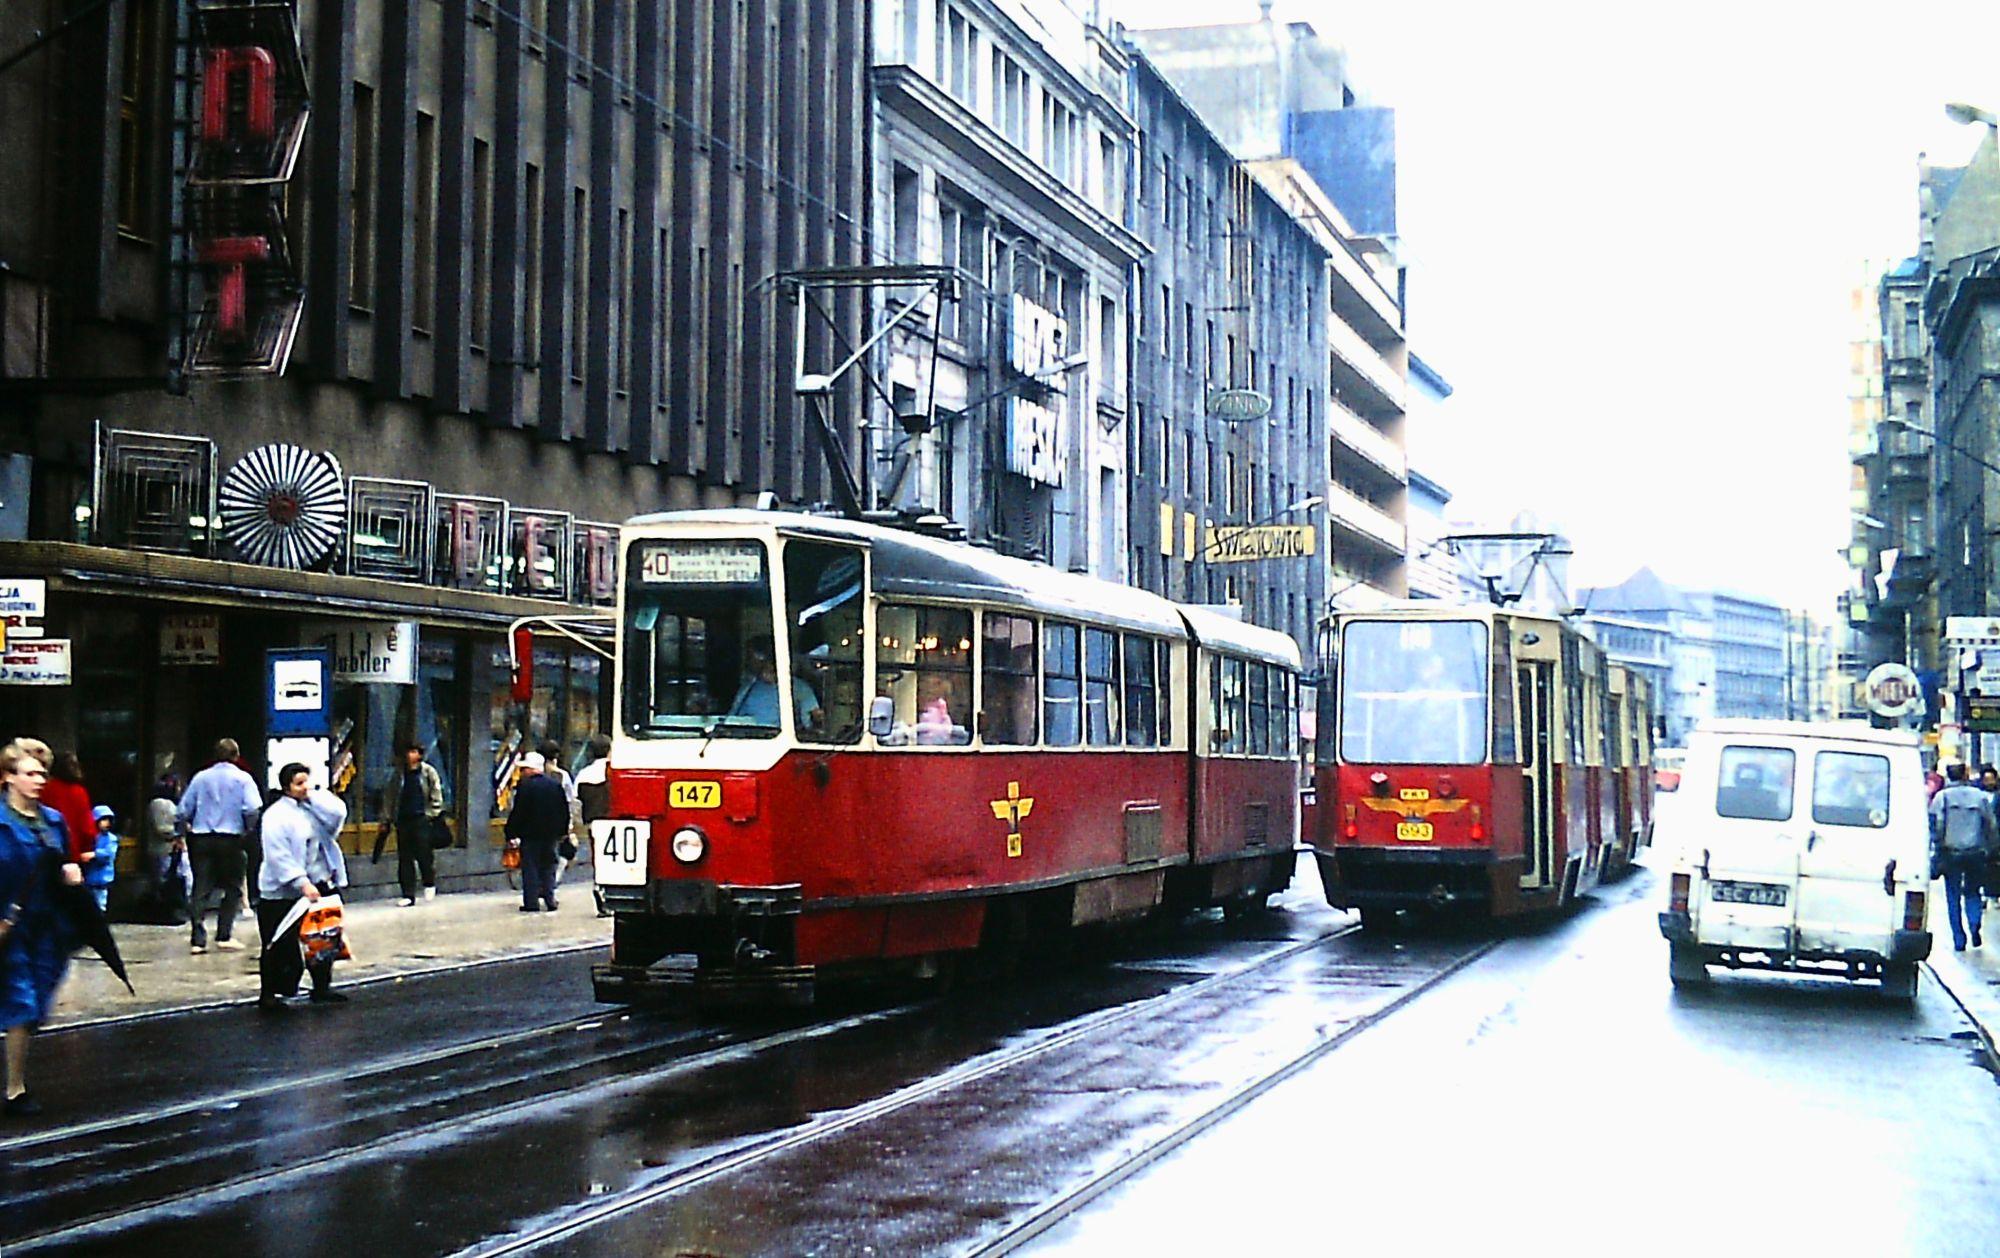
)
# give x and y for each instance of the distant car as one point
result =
(1667, 762)
(1801, 847)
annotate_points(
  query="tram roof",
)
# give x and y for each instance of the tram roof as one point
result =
(917, 566)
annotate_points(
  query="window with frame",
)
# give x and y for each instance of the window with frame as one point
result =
(823, 601)
(1258, 729)
(1284, 712)
(1101, 700)
(1850, 788)
(923, 665)
(1062, 685)
(1163, 653)
(1008, 715)
(135, 122)
(1142, 691)
(1755, 783)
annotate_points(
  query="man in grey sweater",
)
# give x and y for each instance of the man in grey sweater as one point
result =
(1963, 829)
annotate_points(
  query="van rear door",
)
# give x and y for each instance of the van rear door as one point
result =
(1858, 825)
(1749, 850)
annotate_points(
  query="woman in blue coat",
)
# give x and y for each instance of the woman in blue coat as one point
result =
(35, 939)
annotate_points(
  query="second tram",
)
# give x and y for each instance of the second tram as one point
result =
(1478, 760)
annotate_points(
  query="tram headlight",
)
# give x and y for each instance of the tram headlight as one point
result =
(688, 845)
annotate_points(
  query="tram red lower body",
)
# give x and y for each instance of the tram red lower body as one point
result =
(832, 858)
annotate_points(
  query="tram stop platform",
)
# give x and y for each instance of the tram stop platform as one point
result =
(454, 931)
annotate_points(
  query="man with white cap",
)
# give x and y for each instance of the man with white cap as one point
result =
(538, 823)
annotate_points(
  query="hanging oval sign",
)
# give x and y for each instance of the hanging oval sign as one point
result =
(1237, 406)
(1893, 691)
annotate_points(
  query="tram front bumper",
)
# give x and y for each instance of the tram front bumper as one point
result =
(1399, 878)
(700, 898)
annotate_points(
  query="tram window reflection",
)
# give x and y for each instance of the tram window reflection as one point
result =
(696, 614)
(923, 665)
(1101, 702)
(823, 600)
(1413, 692)
(1142, 693)
(1008, 680)
(1061, 685)
(1260, 711)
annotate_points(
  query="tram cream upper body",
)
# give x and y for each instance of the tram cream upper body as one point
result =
(1799, 838)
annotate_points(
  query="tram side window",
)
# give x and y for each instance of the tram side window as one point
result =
(1061, 685)
(1573, 726)
(1101, 703)
(1164, 653)
(1259, 730)
(1007, 712)
(923, 667)
(1506, 747)
(1142, 694)
(823, 600)
(1226, 705)
(1282, 720)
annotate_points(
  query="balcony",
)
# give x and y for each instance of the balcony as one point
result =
(1362, 377)
(1356, 515)
(1375, 447)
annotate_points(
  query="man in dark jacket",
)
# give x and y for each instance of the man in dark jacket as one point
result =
(538, 823)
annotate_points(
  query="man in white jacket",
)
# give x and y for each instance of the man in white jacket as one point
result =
(302, 859)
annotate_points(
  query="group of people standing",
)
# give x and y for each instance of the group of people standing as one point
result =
(1965, 847)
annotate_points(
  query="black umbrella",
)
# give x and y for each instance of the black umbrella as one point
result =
(381, 841)
(79, 907)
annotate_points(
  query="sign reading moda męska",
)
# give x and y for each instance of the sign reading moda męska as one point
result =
(1239, 544)
(36, 662)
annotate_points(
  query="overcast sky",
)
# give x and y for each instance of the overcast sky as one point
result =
(1631, 235)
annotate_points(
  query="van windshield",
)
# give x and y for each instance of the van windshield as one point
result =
(1755, 783)
(1850, 788)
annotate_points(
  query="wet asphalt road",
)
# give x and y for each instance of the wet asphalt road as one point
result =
(501, 1106)
(1561, 1094)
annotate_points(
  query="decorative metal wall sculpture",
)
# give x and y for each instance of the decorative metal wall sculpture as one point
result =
(153, 491)
(284, 507)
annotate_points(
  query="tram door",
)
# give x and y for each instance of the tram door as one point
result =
(1536, 680)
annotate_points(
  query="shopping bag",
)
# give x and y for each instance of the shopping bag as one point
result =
(322, 937)
(510, 857)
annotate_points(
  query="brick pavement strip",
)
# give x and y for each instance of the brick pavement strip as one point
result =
(389, 941)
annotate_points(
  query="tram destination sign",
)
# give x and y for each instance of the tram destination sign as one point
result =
(702, 563)
(1241, 544)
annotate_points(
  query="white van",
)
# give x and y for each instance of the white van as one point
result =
(1799, 846)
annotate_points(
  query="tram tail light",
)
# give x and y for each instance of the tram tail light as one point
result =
(1679, 888)
(1478, 823)
(1913, 910)
(1353, 828)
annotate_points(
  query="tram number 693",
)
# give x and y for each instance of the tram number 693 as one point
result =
(620, 847)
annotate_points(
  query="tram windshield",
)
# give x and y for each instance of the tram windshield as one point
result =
(1413, 692)
(698, 648)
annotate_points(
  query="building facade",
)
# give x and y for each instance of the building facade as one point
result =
(513, 265)
(1669, 620)
(1754, 666)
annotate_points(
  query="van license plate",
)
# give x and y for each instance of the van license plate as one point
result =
(1414, 831)
(1748, 893)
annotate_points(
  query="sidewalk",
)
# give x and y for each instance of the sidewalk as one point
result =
(1971, 978)
(389, 941)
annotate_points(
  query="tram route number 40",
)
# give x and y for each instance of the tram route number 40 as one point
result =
(620, 850)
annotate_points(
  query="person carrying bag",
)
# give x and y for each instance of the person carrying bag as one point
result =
(302, 866)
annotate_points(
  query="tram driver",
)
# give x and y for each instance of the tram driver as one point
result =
(757, 698)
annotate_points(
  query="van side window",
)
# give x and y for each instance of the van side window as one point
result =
(1850, 789)
(1755, 783)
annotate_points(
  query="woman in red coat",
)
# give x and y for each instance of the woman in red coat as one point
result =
(66, 795)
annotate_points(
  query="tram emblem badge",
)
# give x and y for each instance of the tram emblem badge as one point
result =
(1412, 809)
(1011, 810)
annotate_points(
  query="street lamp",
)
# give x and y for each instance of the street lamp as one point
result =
(1896, 421)
(1965, 115)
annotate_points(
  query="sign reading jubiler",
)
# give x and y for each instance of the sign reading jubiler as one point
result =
(1238, 544)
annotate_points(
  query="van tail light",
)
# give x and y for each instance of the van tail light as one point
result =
(1678, 891)
(1913, 910)
(1478, 825)
(1353, 828)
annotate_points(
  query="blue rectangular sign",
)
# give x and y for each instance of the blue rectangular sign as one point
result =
(298, 691)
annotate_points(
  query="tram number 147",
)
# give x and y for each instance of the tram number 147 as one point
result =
(620, 849)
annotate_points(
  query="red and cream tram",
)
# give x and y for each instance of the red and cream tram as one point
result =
(843, 748)
(1477, 759)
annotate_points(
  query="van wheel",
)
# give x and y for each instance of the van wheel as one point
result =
(1684, 966)
(1899, 982)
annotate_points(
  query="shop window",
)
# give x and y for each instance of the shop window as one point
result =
(823, 613)
(1061, 678)
(1007, 677)
(923, 666)
(1101, 706)
(372, 721)
(566, 709)
(1142, 693)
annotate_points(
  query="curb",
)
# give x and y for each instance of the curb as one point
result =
(1982, 1009)
(441, 967)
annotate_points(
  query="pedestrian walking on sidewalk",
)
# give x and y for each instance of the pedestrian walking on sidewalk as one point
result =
(537, 825)
(66, 794)
(217, 811)
(1963, 830)
(302, 859)
(35, 939)
(102, 868)
(551, 752)
(416, 801)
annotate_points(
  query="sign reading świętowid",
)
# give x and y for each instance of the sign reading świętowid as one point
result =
(1243, 544)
